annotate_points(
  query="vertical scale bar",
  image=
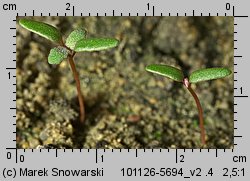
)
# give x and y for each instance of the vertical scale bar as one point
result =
(233, 76)
(15, 88)
(235, 88)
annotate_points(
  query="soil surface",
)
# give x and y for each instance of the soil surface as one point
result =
(126, 106)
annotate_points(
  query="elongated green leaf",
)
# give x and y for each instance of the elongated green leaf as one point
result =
(95, 44)
(57, 54)
(42, 29)
(167, 71)
(74, 37)
(208, 74)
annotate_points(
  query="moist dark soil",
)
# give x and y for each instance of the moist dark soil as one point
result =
(126, 106)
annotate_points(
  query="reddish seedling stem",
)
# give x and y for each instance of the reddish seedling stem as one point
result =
(198, 104)
(78, 87)
(78, 83)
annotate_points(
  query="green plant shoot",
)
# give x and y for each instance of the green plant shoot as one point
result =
(197, 76)
(77, 41)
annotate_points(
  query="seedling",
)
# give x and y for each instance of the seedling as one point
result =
(197, 76)
(74, 43)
